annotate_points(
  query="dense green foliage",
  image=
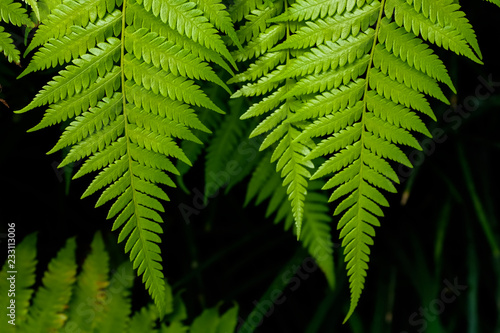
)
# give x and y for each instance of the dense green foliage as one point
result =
(336, 89)
(93, 300)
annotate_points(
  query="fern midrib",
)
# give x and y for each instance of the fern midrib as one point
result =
(125, 118)
(147, 258)
(290, 114)
(365, 110)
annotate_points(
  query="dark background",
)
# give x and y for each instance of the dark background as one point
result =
(232, 253)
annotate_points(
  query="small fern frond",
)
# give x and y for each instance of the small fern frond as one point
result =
(51, 299)
(116, 309)
(91, 285)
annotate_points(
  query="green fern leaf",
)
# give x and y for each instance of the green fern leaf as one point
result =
(189, 21)
(117, 306)
(143, 320)
(351, 94)
(447, 14)
(91, 283)
(51, 299)
(130, 88)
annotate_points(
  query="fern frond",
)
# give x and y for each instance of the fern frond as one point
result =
(131, 92)
(116, 307)
(278, 79)
(34, 6)
(448, 14)
(169, 56)
(316, 234)
(90, 287)
(413, 51)
(47, 309)
(347, 85)
(143, 320)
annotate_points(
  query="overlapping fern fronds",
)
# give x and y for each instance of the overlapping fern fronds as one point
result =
(347, 80)
(93, 300)
(129, 86)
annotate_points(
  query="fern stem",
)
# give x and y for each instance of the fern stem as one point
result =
(124, 104)
(133, 186)
(355, 298)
